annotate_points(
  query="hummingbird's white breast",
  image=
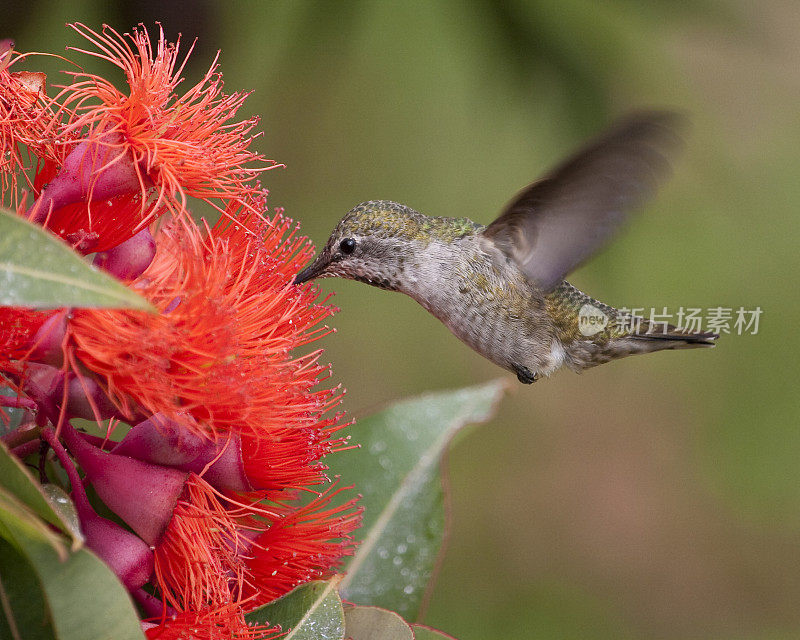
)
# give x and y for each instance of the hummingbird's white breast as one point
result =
(486, 301)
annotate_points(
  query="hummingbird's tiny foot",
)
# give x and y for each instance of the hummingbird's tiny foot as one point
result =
(525, 375)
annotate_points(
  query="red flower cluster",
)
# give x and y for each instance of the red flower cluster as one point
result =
(218, 480)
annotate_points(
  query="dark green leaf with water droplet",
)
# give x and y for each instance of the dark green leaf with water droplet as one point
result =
(312, 611)
(47, 504)
(48, 598)
(397, 470)
(62, 504)
(38, 573)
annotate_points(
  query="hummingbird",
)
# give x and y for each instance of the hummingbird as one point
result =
(500, 288)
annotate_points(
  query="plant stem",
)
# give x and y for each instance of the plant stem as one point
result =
(78, 492)
(27, 449)
(17, 402)
(25, 432)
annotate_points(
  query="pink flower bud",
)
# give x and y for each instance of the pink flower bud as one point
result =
(128, 260)
(142, 494)
(162, 441)
(87, 400)
(44, 385)
(97, 169)
(126, 554)
(48, 340)
(84, 397)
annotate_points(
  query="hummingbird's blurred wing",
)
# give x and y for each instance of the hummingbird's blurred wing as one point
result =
(556, 223)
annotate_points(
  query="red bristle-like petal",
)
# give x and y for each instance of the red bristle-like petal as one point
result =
(221, 622)
(198, 559)
(308, 543)
(218, 356)
(185, 144)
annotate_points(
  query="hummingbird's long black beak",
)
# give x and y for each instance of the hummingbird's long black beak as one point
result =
(312, 270)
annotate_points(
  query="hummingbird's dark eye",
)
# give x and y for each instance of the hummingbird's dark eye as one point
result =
(347, 246)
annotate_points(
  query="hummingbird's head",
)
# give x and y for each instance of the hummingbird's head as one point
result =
(369, 244)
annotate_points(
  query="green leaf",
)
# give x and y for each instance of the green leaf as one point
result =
(78, 595)
(374, 623)
(421, 632)
(62, 504)
(38, 270)
(312, 611)
(23, 613)
(397, 471)
(16, 478)
(75, 593)
(19, 523)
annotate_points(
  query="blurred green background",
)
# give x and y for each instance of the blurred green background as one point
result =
(653, 497)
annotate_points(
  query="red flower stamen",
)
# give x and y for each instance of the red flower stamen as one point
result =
(26, 120)
(219, 351)
(222, 622)
(198, 560)
(308, 543)
(186, 145)
(17, 330)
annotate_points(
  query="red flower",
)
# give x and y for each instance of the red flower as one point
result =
(220, 350)
(228, 426)
(26, 117)
(184, 145)
(211, 546)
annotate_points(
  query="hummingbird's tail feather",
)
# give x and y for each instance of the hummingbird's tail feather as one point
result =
(584, 354)
(675, 338)
(659, 336)
(593, 333)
